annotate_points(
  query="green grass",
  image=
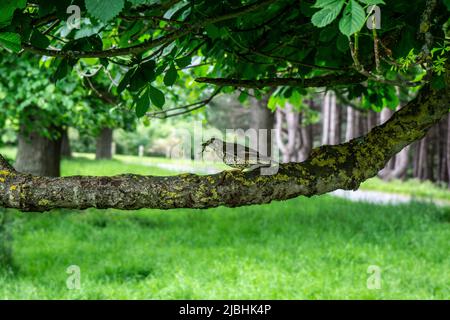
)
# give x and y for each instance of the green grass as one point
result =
(85, 166)
(416, 188)
(318, 248)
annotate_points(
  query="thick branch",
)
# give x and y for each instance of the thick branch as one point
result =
(322, 81)
(342, 166)
(5, 166)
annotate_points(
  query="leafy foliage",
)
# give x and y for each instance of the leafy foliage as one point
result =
(104, 10)
(10, 41)
(156, 46)
(31, 98)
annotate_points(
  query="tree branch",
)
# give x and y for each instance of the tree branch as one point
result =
(322, 81)
(5, 166)
(329, 168)
(150, 44)
(108, 53)
(168, 113)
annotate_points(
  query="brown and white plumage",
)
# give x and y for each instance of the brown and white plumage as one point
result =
(236, 155)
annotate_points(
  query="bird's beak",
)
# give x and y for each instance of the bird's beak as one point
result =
(204, 145)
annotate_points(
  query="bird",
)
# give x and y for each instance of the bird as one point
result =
(236, 155)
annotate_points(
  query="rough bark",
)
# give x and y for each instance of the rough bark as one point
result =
(328, 168)
(38, 155)
(104, 144)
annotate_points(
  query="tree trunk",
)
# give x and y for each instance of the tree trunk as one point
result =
(287, 132)
(371, 120)
(448, 150)
(385, 115)
(334, 125)
(442, 161)
(38, 155)
(400, 168)
(330, 120)
(66, 150)
(104, 144)
(326, 119)
(306, 135)
(433, 150)
(350, 123)
(421, 172)
(353, 128)
(263, 119)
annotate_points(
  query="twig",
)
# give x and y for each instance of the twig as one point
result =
(163, 114)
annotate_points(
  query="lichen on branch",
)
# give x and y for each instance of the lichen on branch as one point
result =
(329, 168)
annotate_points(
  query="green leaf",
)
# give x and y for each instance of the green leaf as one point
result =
(183, 62)
(138, 81)
(7, 9)
(372, 2)
(148, 70)
(142, 104)
(328, 14)
(137, 2)
(38, 39)
(447, 3)
(324, 3)
(353, 19)
(438, 82)
(61, 71)
(125, 81)
(243, 97)
(10, 40)
(157, 97)
(171, 76)
(212, 31)
(144, 74)
(342, 43)
(104, 10)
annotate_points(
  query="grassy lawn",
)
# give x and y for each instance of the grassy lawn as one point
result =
(416, 188)
(298, 249)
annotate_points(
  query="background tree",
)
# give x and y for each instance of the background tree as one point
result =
(41, 111)
(249, 45)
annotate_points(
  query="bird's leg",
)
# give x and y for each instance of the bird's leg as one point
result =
(253, 167)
